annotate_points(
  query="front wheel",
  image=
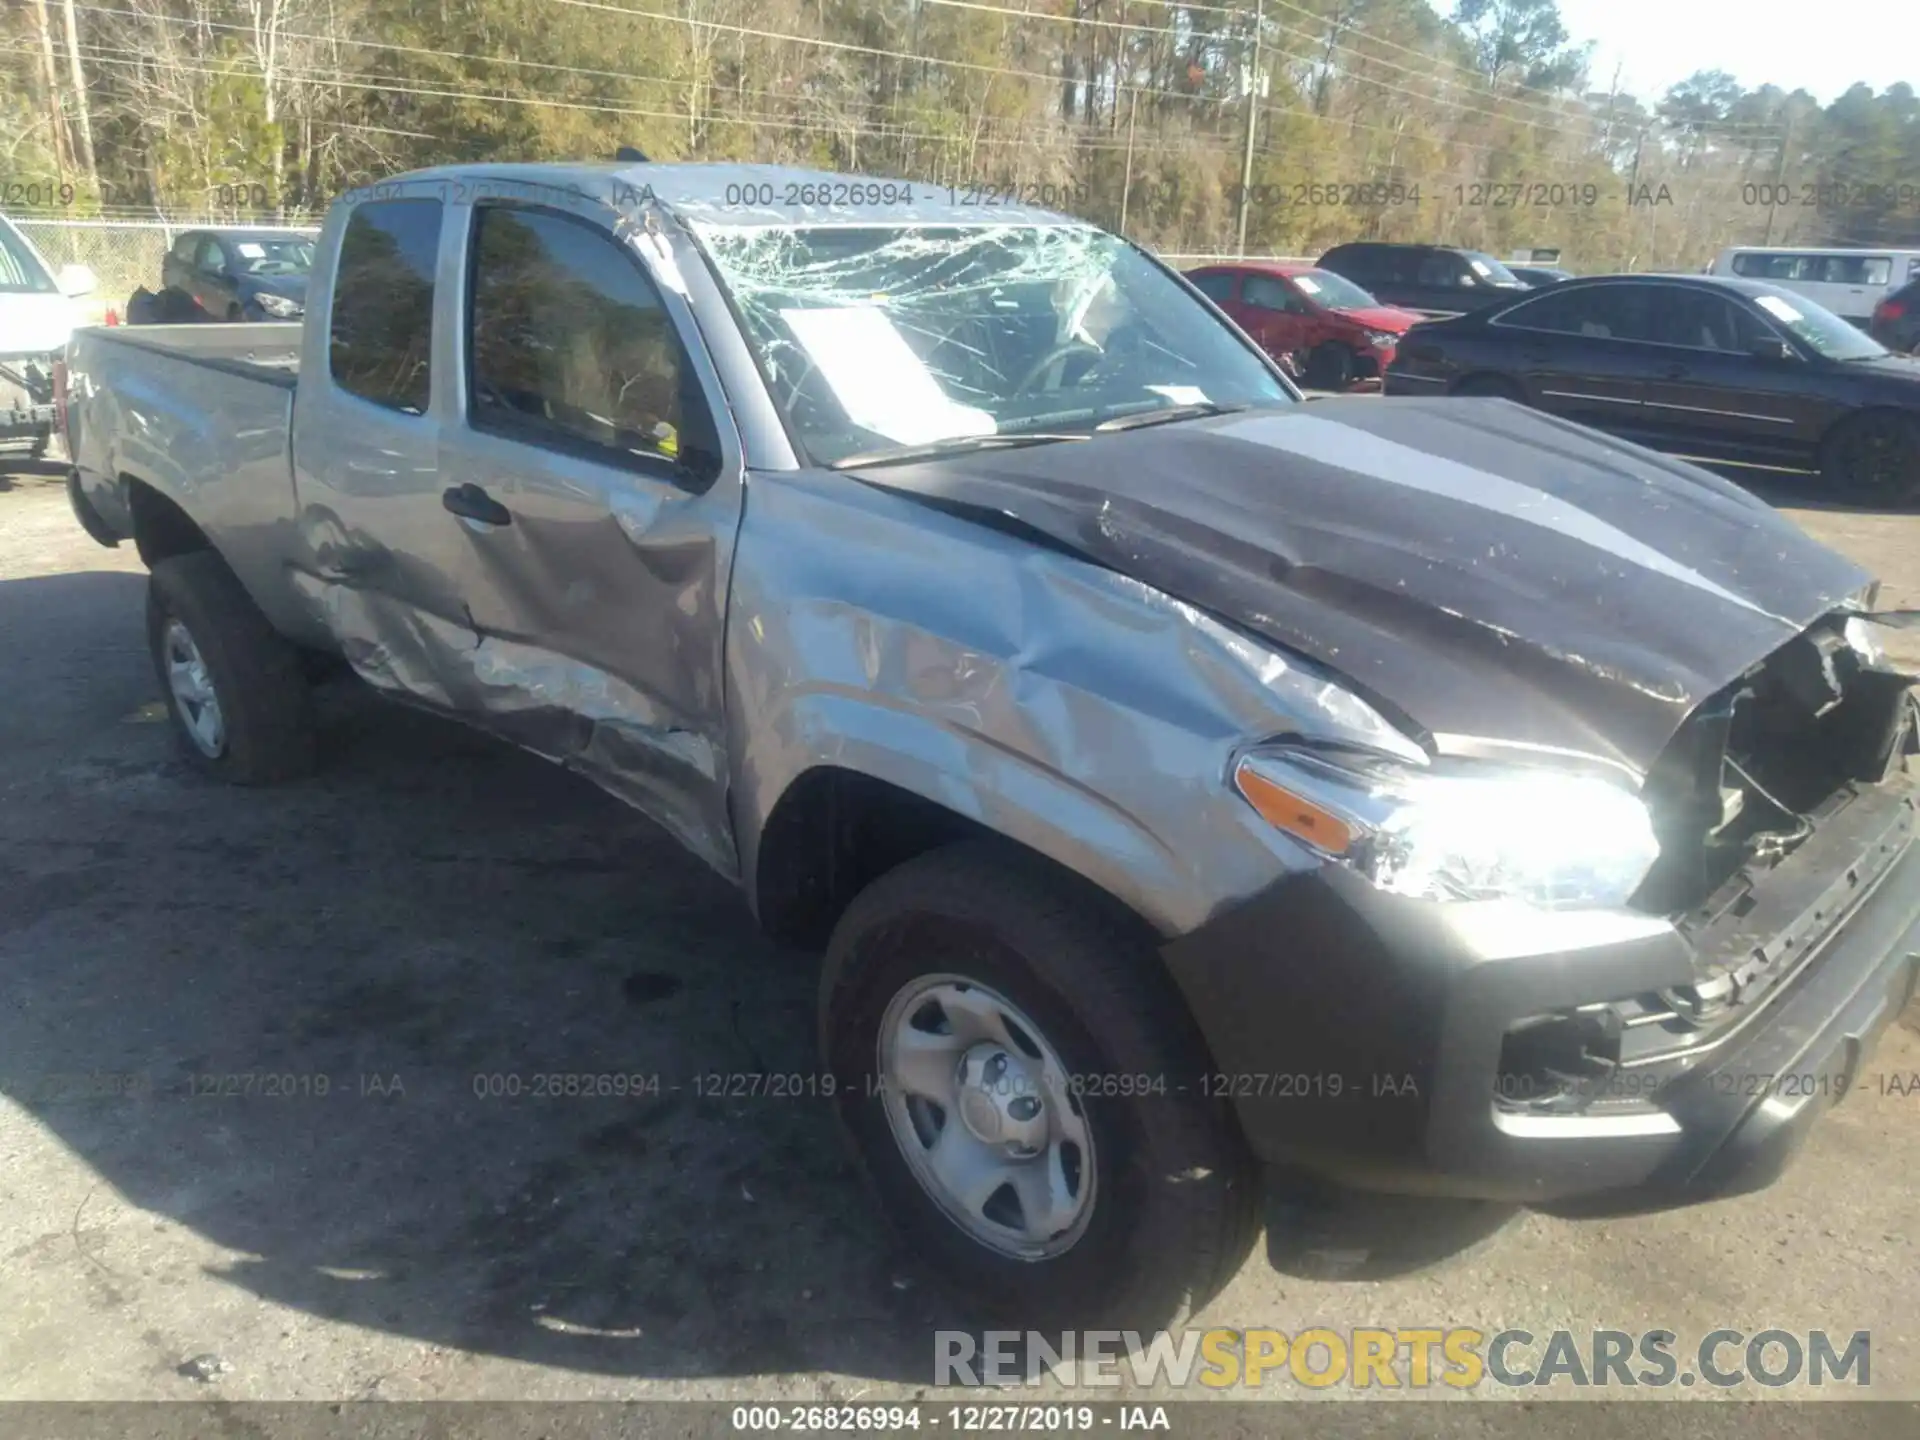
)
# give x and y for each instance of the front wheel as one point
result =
(1330, 367)
(239, 698)
(1874, 457)
(1024, 1089)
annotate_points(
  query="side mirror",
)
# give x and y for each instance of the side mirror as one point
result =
(1773, 348)
(76, 280)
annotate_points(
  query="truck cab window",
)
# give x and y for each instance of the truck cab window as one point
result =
(569, 344)
(382, 328)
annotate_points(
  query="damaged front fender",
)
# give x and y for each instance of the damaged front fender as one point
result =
(1077, 711)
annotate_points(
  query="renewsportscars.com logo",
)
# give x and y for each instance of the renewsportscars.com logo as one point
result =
(1364, 1358)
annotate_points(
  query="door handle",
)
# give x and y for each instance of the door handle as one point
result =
(1674, 372)
(470, 502)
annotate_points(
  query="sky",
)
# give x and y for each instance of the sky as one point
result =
(1822, 49)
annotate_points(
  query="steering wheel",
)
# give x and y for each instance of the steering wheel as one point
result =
(1052, 358)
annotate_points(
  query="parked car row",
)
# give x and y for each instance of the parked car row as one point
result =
(1709, 367)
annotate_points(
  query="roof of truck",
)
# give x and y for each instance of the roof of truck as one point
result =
(728, 195)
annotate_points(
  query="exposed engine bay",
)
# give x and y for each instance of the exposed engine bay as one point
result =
(1779, 805)
(1757, 766)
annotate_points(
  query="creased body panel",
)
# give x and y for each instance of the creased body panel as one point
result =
(570, 712)
(1072, 709)
(1489, 571)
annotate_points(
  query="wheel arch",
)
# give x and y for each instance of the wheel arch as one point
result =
(840, 822)
(161, 528)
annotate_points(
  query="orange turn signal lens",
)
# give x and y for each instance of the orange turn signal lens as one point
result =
(1295, 814)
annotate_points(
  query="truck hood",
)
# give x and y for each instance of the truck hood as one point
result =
(36, 323)
(1472, 567)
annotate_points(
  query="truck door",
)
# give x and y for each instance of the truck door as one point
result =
(1275, 316)
(583, 468)
(387, 560)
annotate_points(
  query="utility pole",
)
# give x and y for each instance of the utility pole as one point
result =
(1253, 116)
(1126, 183)
(1779, 179)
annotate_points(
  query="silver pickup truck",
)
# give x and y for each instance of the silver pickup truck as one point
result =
(1186, 784)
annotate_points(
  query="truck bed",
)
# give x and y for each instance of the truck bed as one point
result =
(202, 414)
(269, 352)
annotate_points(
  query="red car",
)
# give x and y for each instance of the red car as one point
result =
(1320, 325)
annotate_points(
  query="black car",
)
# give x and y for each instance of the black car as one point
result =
(1434, 279)
(1710, 368)
(241, 274)
(1896, 319)
(1540, 276)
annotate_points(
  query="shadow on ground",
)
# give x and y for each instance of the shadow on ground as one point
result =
(439, 1042)
(330, 1027)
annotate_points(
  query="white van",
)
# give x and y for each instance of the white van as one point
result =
(1849, 282)
(37, 314)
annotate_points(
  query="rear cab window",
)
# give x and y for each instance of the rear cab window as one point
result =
(381, 330)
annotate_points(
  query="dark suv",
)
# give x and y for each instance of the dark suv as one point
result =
(1434, 279)
(1896, 319)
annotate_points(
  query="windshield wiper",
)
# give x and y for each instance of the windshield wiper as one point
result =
(958, 445)
(1168, 415)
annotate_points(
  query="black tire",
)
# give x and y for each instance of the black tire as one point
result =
(1330, 367)
(264, 702)
(1176, 1196)
(1491, 387)
(1874, 457)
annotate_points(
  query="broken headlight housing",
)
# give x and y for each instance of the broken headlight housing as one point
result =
(1459, 830)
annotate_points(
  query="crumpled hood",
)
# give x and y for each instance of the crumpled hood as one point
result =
(1473, 567)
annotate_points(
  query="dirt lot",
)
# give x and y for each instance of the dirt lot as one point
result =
(433, 908)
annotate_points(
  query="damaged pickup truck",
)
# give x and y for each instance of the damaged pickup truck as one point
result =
(1184, 782)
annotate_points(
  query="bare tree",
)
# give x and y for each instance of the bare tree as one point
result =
(50, 78)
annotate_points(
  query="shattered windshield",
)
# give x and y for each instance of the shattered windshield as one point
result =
(911, 335)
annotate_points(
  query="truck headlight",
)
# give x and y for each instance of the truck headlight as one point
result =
(280, 307)
(1382, 339)
(1468, 831)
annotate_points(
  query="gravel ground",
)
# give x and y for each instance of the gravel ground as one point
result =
(355, 950)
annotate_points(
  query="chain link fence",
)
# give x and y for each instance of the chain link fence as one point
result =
(124, 255)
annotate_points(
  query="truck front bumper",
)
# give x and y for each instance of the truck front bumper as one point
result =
(1363, 1036)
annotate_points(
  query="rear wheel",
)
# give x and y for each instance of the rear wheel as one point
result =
(1491, 387)
(237, 692)
(1021, 1084)
(1330, 367)
(1874, 457)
